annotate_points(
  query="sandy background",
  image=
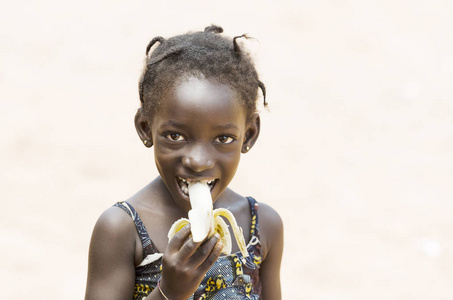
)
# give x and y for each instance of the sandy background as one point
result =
(356, 153)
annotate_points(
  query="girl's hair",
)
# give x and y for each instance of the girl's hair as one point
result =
(204, 54)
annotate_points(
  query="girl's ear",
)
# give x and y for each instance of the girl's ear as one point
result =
(143, 127)
(252, 133)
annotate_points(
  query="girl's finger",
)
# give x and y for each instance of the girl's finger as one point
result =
(211, 259)
(207, 253)
(189, 248)
(179, 239)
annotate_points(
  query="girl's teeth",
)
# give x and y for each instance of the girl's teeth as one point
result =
(184, 184)
(185, 190)
(187, 182)
(184, 181)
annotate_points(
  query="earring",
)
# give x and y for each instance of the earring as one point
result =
(247, 148)
(145, 142)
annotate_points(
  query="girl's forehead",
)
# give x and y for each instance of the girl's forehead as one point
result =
(201, 98)
(203, 94)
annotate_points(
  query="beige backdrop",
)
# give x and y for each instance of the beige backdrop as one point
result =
(355, 153)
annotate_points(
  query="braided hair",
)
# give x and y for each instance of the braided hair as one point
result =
(204, 54)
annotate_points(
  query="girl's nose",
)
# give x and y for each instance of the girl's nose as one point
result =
(198, 159)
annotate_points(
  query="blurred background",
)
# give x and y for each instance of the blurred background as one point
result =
(356, 152)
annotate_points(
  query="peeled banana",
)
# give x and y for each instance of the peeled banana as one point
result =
(205, 221)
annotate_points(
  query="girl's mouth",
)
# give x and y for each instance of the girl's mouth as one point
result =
(184, 184)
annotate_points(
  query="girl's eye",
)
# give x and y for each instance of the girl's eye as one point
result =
(224, 139)
(175, 137)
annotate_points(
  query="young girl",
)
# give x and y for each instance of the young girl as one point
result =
(198, 95)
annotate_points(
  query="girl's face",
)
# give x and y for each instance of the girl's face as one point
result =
(198, 132)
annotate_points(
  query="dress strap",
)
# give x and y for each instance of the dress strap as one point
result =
(254, 229)
(147, 244)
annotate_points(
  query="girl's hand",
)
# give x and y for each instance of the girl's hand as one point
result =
(185, 263)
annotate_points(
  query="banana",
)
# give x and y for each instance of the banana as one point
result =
(201, 215)
(205, 221)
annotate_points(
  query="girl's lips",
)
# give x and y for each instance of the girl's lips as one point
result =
(185, 183)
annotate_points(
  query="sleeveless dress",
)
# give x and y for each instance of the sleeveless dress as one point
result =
(228, 278)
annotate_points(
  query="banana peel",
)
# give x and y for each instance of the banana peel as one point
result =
(205, 221)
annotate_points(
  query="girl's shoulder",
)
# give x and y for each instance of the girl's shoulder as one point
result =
(115, 225)
(269, 215)
(115, 229)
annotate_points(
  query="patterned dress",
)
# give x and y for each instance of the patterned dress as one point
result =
(228, 278)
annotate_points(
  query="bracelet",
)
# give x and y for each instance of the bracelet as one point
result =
(160, 290)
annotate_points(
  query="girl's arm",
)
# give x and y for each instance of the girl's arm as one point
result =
(271, 227)
(111, 272)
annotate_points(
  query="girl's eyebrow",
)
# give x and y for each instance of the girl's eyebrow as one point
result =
(172, 123)
(226, 126)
